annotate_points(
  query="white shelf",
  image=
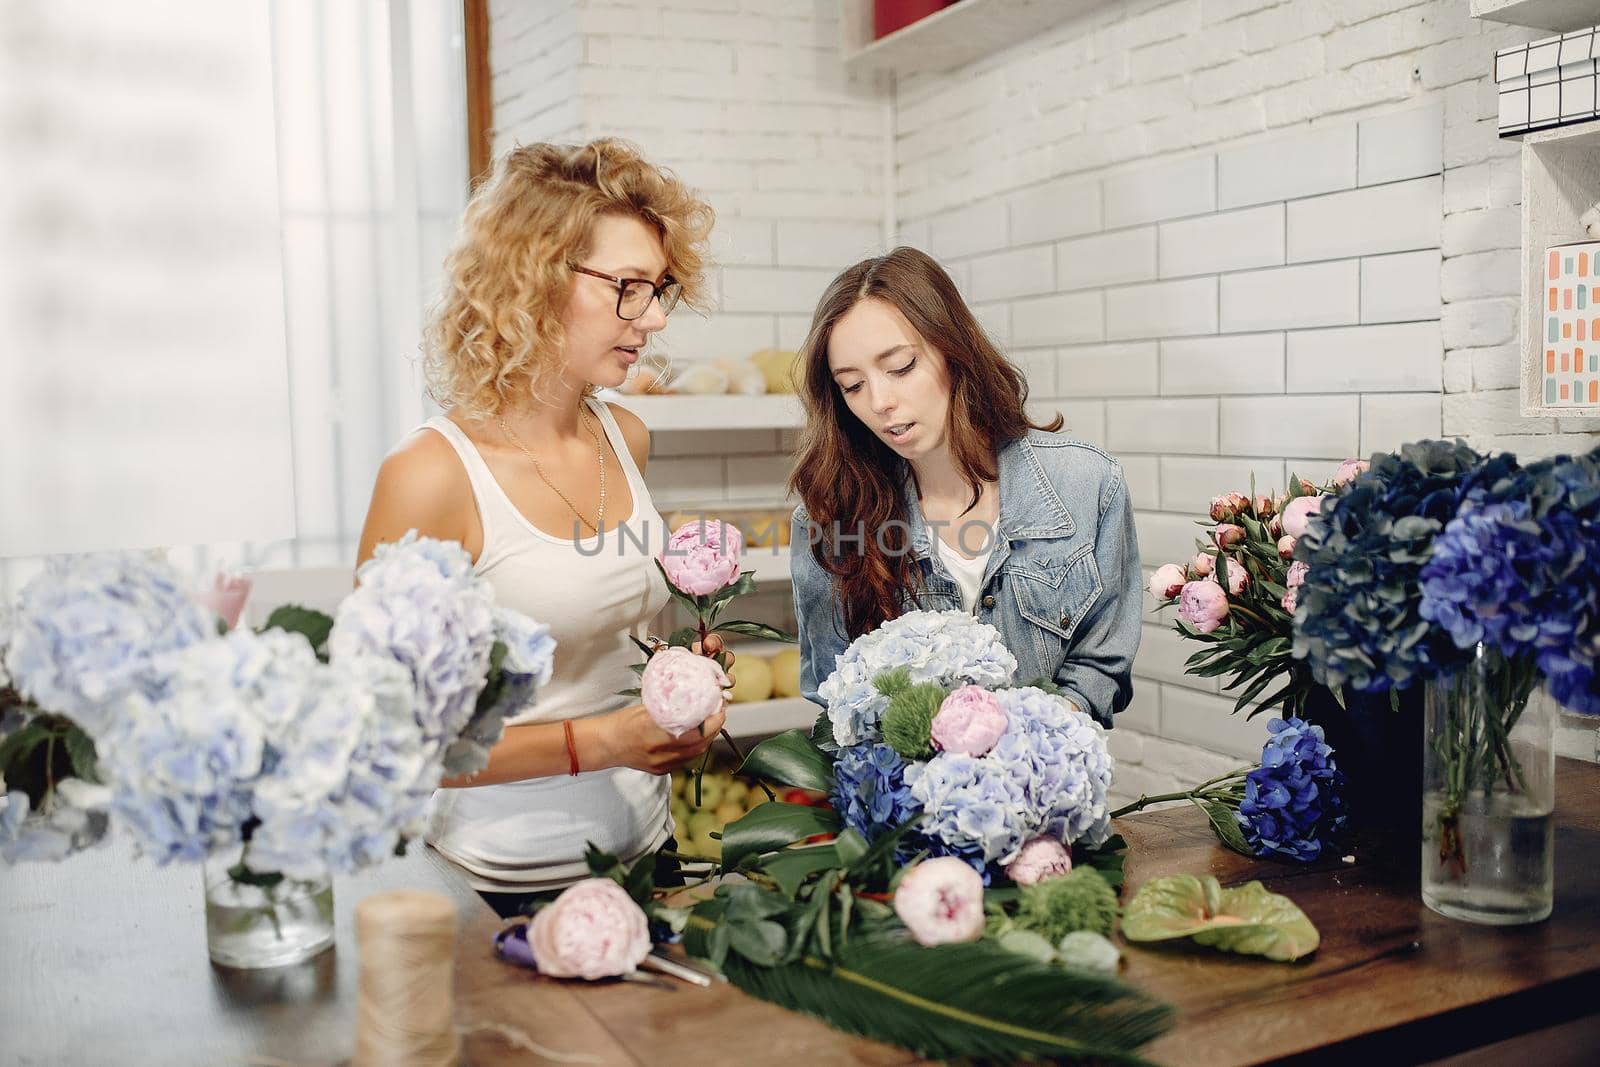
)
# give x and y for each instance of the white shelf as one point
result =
(1557, 16)
(762, 717)
(768, 411)
(1560, 179)
(960, 33)
(770, 564)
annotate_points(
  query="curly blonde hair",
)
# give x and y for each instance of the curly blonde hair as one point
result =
(497, 325)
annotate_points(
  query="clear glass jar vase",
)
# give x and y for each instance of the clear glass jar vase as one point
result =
(1488, 833)
(264, 920)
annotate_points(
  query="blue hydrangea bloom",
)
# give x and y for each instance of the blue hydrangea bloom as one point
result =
(869, 790)
(1058, 756)
(419, 603)
(87, 629)
(1292, 804)
(948, 648)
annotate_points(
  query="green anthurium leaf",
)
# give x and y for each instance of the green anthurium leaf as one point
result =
(758, 630)
(1247, 920)
(791, 759)
(772, 826)
(315, 626)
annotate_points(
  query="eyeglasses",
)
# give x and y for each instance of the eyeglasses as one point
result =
(634, 294)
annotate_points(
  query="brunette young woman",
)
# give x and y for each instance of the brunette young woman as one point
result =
(569, 260)
(923, 484)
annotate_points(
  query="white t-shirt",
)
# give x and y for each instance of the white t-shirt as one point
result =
(528, 836)
(968, 573)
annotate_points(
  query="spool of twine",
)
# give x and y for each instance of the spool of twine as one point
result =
(405, 1002)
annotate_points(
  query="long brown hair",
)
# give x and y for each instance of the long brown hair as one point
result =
(850, 482)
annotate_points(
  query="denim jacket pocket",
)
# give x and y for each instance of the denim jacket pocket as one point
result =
(1055, 595)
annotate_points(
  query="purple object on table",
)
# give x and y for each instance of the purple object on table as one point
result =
(511, 945)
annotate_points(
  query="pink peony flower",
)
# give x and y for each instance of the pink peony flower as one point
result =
(225, 598)
(1349, 470)
(681, 689)
(702, 557)
(1039, 858)
(1202, 565)
(970, 721)
(1228, 535)
(941, 901)
(1286, 547)
(593, 930)
(1292, 582)
(1238, 578)
(1203, 605)
(1297, 516)
(1227, 505)
(1291, 600)
(1166, 581)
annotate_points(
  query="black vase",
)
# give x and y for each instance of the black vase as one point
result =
(1379, 749)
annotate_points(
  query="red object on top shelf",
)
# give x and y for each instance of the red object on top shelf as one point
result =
(891, 15)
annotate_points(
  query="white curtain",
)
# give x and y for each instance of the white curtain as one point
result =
(363, 106)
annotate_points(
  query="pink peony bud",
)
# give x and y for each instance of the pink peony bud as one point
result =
(1202, 565)
(1228, 535)
(970, 721)
(1203, 605)
(592, 930)
(1262, 506)
(1349, 470)
(1291, 600)
(1166, 581)
(1238, 578)
(681, 689)
(1297, 515)
(702, 557)
(1227, 506)
(941, 901)
(1275, 526)
(1285, 547)
(1039, 858)
(225, 598)
(1297, 574)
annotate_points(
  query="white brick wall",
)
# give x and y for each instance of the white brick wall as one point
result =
(1222, 238)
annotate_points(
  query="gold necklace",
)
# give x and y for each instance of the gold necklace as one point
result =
(600, 455)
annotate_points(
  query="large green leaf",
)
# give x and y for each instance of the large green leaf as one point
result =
(791, 759)
(315, 626)
(758, 630)
(792, 866)
(771, 826)
(965, 1001)
(1246, 920)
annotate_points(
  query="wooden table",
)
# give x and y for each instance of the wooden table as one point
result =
(105, 964)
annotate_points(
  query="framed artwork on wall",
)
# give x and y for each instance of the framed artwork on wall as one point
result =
(1565, 377)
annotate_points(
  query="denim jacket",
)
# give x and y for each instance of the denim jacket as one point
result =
(1062, 584)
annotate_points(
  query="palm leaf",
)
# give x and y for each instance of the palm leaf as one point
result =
(973, 1000)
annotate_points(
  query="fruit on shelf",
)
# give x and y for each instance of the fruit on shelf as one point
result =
(786, 673)
(781, 368)
(752, 680)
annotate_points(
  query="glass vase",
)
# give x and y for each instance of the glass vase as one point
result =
(264, 920)
(1488, 833)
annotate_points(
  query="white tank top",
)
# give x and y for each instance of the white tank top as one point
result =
(968, 573)
(593, 593)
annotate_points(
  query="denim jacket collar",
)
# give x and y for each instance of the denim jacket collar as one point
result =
(1029, 504)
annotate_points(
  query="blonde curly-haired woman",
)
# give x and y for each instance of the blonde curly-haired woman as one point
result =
(569, 260)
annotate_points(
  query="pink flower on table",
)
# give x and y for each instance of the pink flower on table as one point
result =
(1202, 565)
(593, 930)
(702, 557)
(969, 721)
(225, 598)
(681, 689)
(1286, 547)
(1297, 514)
(1166, 581)
(1238, 578)
(941, 901)
(1203, 605)
(1039, 858)
(1227, 534)
(1349, 470)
